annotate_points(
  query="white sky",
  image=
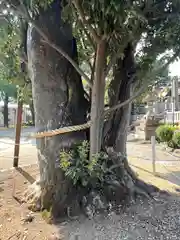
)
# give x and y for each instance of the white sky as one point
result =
(175, 68)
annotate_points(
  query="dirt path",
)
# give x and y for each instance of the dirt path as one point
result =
(13, 224)
(167, 165)
(28, 155)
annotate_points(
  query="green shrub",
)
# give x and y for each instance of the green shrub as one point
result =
(176, 139)
(157, 139)
(172, 144)
(28, 123)
(165, 133)
(80, 170)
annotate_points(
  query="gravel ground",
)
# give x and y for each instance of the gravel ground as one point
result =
(158, 219)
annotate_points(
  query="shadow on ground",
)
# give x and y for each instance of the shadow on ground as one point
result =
(173, 177)
(26, 175)
(140, 168)
(138, 140)
(134, 140)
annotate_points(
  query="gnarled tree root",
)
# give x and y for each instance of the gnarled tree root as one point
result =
(122, 184)
(88, 204)
(134, 185)
(32, 196)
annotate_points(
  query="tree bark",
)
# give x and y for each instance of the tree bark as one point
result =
(59, 101)
(31, 105)
(97, 102)
(6, 111)
(115, 130)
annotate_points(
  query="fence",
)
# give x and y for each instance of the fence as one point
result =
(169, 117)
(160, 107)
(172, 117)
(12, 111)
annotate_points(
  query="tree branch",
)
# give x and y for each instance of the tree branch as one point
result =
(93, 68)
(140, 91)
(85, 21)
(84, 46)
(114, 58)
(87, 35)
(89, 63)
(111, 63)
(27, 17)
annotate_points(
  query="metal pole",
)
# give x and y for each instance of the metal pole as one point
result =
(153, 144)
(18, 134)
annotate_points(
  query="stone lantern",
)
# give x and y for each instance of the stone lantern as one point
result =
(150, 120)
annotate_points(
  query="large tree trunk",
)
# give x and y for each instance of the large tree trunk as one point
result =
(115, 131)
(5, 111)
(59, 101)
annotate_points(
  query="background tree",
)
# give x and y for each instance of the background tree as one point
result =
(7, 88)
(111, 31)
(7, 91)
(159, 79)
(13, 72)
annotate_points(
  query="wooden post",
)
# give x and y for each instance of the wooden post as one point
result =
(173, 110)
(18, 134)
(153, 144)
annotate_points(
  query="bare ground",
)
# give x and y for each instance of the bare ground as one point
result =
(13, 223)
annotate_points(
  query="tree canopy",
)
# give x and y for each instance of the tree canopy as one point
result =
(151, 27)
(14, 78)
